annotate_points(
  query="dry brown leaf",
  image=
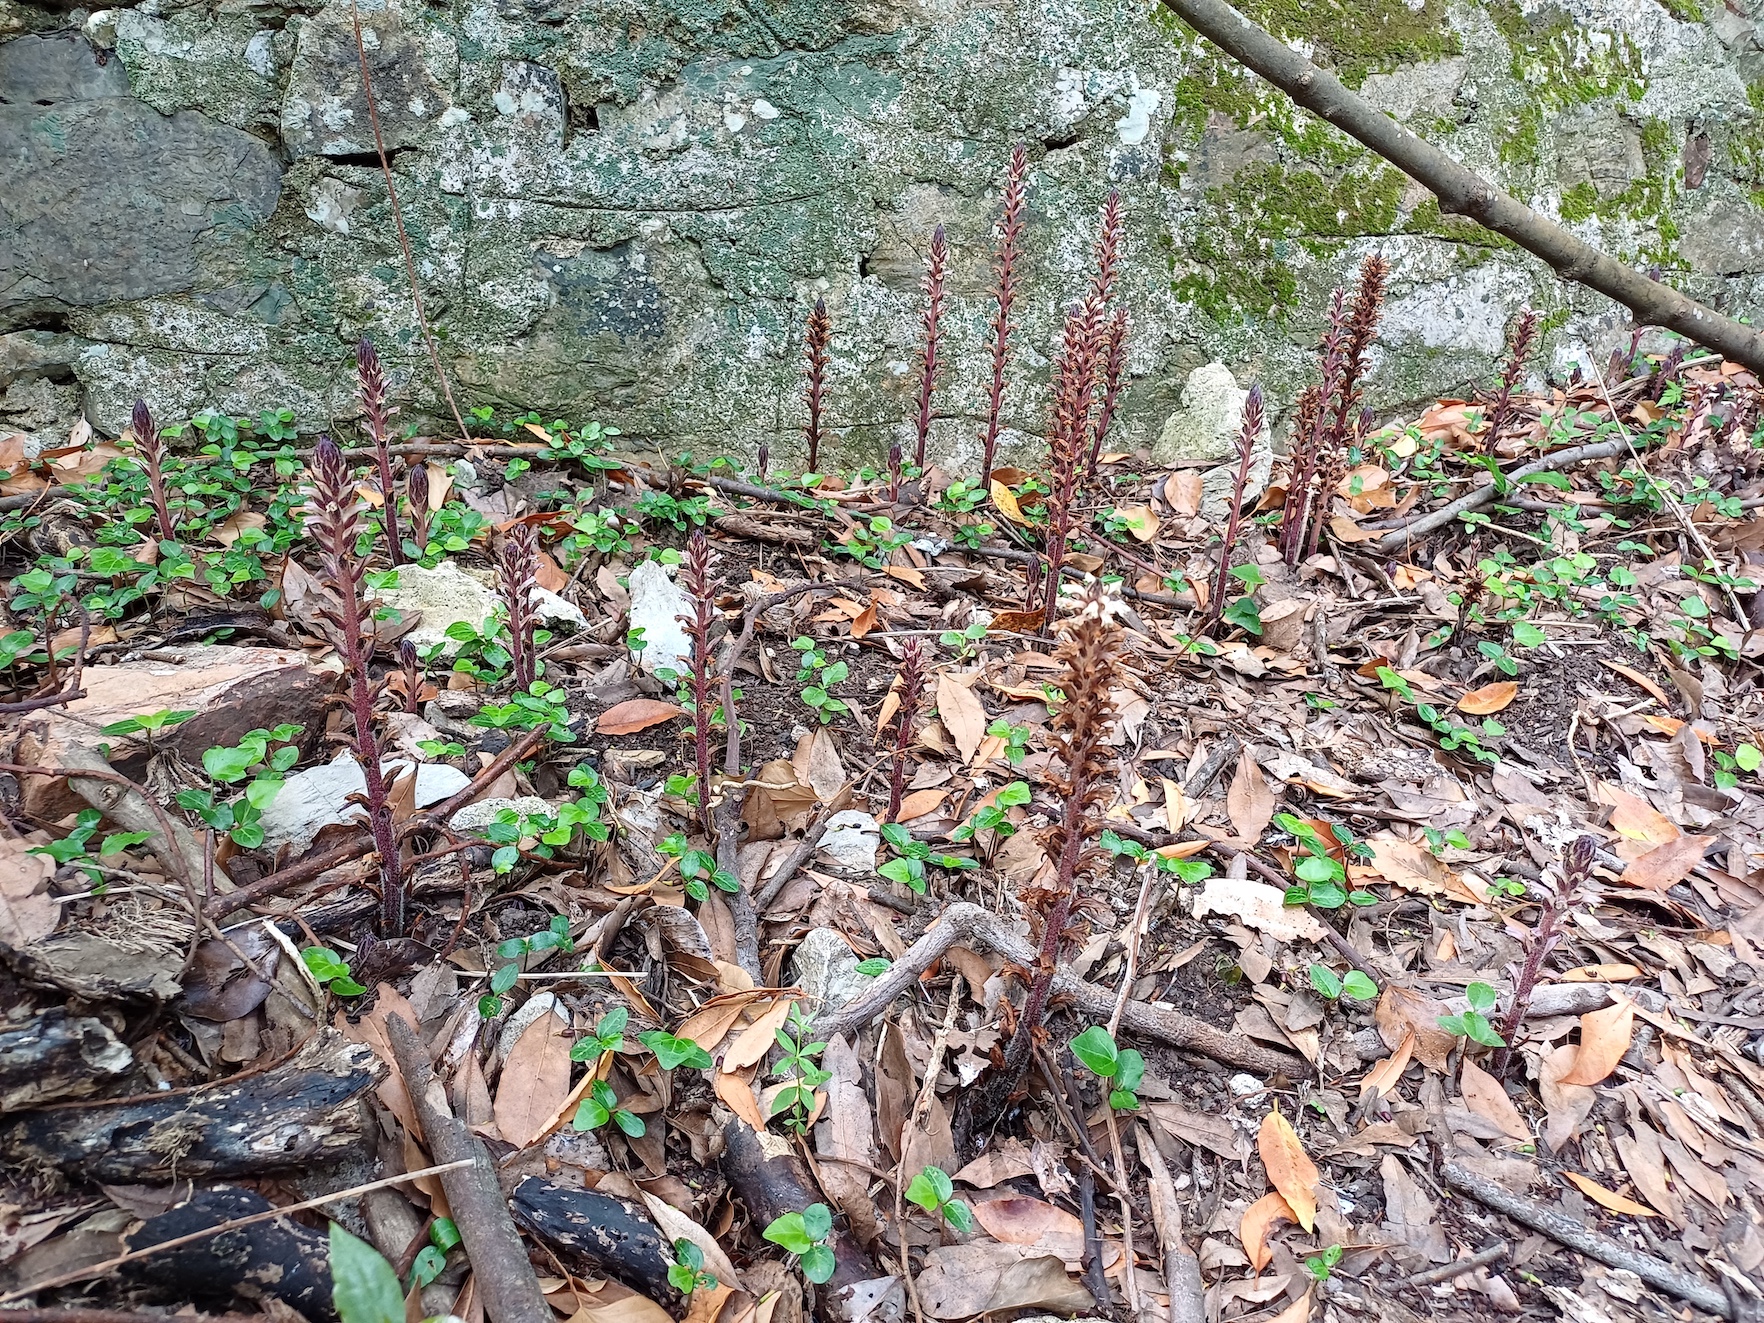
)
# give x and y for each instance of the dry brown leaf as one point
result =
(1490, 698)
(636, 714)
(1387, 1073)
(1299, 1311)
(1619, 973)
(610, 1306)
(1255, 1224)
(1605, 1036)
(1183, 491)
(229, 532)
(1403, 1011)
(1484, 1095)
(864, 621)
(1610, 1199)
(920, 802)
(966, 1281)
(1630, 673)
(1020, 1220)
(1406, 864)
(535, 1081)
(1634, 818)
(963, 716)
(1668, 864)
(1005, 501)
(736, 1093)
(1289, 1167)
(27, 911)
(753, 1042)
(675, 1225)
(1260, 906)
(1249, 802)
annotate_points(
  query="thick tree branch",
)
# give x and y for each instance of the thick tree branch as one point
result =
(1461, 191)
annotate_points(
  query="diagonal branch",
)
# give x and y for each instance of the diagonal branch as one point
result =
(1461, 191)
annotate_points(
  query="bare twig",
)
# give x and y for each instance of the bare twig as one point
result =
(967, 922)
(1461, 192)
(1460, 1267)
(1575, 1234)
(499, 1259)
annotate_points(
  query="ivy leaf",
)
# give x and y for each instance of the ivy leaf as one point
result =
(364, 1289)
(1095, 1050)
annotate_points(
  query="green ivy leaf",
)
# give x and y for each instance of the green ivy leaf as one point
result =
(818, 1264)
(364, 1289)
(1324, 980)
(1358, 986)
(1095, 1050)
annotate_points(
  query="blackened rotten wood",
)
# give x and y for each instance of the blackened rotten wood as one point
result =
(772, 1181)
(54, 1055)
(278, 1259)
(598, 1232)
(306, 1113)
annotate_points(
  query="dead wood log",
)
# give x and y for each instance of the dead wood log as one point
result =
(277, 1259)
(306, 1113)
(55, 1055)
(1461, 191)
(772, 1181)
(597, 1232)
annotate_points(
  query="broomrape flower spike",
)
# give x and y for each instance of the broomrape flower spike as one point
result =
(518, 575)
(377, 415)
(152, 447)
(912, 693)
(819, 338)
(1016, 196)
(696, 577)
(936, 272)
(336, 523)
(1246, 455)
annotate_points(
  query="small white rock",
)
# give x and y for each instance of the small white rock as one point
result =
(318, 797)
(1244, 1085)
(476, 817)
(851, 841)
(657, 602)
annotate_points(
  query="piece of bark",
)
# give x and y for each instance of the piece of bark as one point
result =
(772, 1181)
(500, 1271)
(605, 1235)
(305, 1113)
(278, 1259)
(57, 1055)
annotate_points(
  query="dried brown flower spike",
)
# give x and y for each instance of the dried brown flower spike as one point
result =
(377, 414)
(1091, 656)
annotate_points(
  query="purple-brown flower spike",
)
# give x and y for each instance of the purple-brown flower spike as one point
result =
(378, 416)
(764, 460)
(1114, 371)
(695, 577)
(519, 579)
(936, 273)
(1246, 454)
(820, 338)
(335, 525)
(152, 447)
(1016, 194)
(912, 693)
(413, 675)
(1110, 234)
(416, 487)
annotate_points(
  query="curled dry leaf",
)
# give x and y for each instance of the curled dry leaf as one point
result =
(1610, 1199)
(963, 717)
(1387, 1073)
(1484, 1095)
(1403, 1011)
(1257, 1221)
(1249, 802)
(966, 1281)
(1289, 1167)
(1488, 699)
(27, 912)
(1605, 1036)
(636, 714)
(1260, 906)
(1667, 864)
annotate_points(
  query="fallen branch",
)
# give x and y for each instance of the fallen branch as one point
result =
(503, 1276)
(299, 1116)
(967, 923)
(605, 1235)
(1574, 1233)
(1398, 538)
(1462, 192)
(1447, 1272)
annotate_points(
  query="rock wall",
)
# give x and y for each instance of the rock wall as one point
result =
(621, 210)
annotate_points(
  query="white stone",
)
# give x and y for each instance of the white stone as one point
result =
(1136, 123)
(1207, 423)
(447, 595)
(318, 797)
(851, 840)
(476, 817)
(825, 968)
(657, 603)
